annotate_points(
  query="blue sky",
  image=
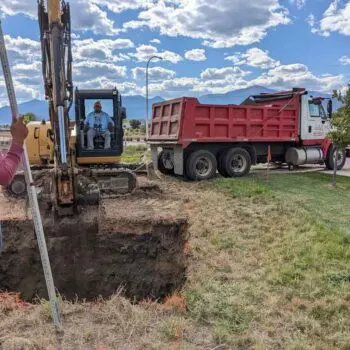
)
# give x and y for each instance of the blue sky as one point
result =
(207, 46)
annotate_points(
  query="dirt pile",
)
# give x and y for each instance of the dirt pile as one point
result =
(137, 243)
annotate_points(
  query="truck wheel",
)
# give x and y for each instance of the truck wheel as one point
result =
(236, 162)
(330, 159)
(17, 188)
(201, 165)
(221, 169)
(165, 164)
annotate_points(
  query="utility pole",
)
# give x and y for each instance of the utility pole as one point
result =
(147, 102)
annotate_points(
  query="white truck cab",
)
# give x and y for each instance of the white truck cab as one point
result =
(315, 123)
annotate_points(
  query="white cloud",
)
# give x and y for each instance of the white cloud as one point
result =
(202, 19)
(174, 87)
(226, 73)
(14, 7)
(298, 3)
(235, 59)
(86, 15)
(196, 55)
(154, 73)
(124, 87)
(344, 60)
(254, 57)
(118, 6)
(22, 49)
(24, 56)
(144, 52)
(299, 75)
(28, 74)
(155, 41)
(89, 70)
(335, 19)
(23, 92)
(311, 20)
(100, 50)
(214, 22)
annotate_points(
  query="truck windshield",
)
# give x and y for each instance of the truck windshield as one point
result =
(314, 110)
(323, 113)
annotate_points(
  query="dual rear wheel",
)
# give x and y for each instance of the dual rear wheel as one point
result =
(233, 162)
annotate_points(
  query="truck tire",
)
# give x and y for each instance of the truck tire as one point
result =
(329, 159)
(221, 169)
(236, 162)
(201, 165)
(17, 188)
(165, 166)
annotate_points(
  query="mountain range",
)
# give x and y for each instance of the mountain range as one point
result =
(135, 105)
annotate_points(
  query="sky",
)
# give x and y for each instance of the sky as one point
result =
(207, 46)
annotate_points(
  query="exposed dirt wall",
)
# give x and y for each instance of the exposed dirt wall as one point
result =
(135, 242)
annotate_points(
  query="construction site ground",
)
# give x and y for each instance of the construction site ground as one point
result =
(267, 267)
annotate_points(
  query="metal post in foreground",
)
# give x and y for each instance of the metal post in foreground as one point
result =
(33, 200)
(147, 102)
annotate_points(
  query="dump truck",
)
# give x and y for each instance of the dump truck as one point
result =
(196, 140)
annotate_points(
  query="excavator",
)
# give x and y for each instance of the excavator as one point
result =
(77, 174)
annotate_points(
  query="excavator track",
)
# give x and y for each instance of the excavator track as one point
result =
(115, 182)
(96, 184)
(91, 185)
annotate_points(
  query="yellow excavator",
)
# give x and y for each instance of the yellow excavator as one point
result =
(58, 147)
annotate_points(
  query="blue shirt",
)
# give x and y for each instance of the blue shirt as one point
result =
(102, 119)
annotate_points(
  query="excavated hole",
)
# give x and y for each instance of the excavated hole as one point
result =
(141, 250)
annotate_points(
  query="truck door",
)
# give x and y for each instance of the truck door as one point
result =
(314, 121)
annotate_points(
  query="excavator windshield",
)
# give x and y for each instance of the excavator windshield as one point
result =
(98, 116)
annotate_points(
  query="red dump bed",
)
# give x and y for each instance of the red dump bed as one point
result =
(185, 120)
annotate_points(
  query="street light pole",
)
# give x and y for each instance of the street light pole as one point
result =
(147, 102)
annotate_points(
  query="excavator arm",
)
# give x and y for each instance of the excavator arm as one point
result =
(55, 37)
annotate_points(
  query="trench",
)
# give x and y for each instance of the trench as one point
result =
(141, 251)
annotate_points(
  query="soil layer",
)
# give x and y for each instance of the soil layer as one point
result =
(136, 243)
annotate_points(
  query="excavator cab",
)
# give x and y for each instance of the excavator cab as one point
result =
(91, 128)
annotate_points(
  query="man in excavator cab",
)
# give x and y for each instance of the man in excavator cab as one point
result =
(98, 124)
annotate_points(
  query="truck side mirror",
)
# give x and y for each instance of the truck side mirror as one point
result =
(330, 108)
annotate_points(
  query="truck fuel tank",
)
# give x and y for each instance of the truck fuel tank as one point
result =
(304, 155)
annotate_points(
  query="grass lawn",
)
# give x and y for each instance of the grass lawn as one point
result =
(273, 271)
(133, 153)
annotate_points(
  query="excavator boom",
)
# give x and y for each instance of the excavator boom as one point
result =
(80, 174)
(55, 36)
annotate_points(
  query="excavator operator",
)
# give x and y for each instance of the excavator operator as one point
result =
(98, 123)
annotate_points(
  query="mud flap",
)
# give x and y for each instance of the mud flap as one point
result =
(178, 160)
(152, 168)
(153, 174)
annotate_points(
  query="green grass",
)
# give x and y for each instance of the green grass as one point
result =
(133, 153)
(273, 268)
(311, 191)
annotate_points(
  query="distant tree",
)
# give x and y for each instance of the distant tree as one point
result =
(29, 117)
(143, 129)
(135, 124)
(340, 127)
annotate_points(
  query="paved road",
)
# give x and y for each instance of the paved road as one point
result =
(344, 172)
(262, 169)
